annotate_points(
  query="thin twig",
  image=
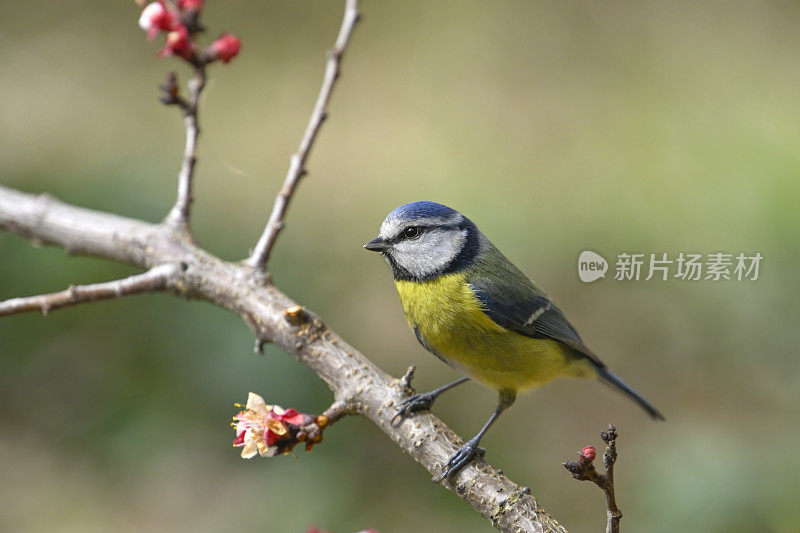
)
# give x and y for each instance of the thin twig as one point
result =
(179, 215)
(258, 259)
(609, 458)
(583, 469)
(405, 381)
(153, 280)
(312, 433)
(336, 412)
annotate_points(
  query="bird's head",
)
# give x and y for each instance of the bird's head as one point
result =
(423, 240)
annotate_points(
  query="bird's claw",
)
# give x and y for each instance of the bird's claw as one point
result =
(417, 402)
(463, 456)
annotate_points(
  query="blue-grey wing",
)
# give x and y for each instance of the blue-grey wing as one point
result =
(511, 300)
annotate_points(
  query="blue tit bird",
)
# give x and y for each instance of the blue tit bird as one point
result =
(472, 308)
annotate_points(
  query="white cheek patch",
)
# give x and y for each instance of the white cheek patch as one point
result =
(430, 252)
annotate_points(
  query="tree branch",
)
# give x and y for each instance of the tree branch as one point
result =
(613, 514)
(45, 220)
(179, 215)
(154, 280)
(583, 469)
(258, 259)
(358, 386)
(177, 265)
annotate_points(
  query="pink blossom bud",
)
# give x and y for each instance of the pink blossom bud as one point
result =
(270, 430)
(588, 453)
(178, 44)
(155, 18)
(190, 5)
(224, 48)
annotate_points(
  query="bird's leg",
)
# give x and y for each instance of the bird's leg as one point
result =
(424, 401)
(470, 449)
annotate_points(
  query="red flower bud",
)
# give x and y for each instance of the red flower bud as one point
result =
(177, 44)
(155, 18)
(224, 48)
(588, 453)
(190, 5)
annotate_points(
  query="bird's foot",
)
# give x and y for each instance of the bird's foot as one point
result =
(417, 402)
(463, 456)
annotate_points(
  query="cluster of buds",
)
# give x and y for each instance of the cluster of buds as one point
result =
(179, 22)
(269, 430)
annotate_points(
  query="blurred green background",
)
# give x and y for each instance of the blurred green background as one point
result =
(557, 127)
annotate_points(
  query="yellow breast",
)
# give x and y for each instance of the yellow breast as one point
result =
(450, 322)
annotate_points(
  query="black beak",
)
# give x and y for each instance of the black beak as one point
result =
(376, 245)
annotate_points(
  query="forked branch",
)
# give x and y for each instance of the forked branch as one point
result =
(176, 264)
(583, 469)
(359, 387)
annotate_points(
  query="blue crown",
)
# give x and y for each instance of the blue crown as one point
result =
(423, 209)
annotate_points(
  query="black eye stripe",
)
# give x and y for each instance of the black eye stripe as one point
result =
(421, 229)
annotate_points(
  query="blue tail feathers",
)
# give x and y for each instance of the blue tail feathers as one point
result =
(606, 376)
